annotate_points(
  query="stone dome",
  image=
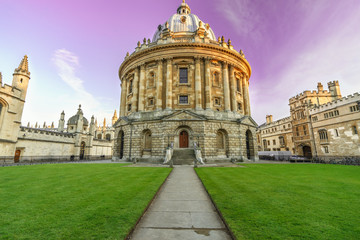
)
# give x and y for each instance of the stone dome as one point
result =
(74, 119)
(184, 22)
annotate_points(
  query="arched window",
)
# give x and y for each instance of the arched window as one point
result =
(220, 140)
(323, 135)
(216, 79)
(108, 137)
(99, 136)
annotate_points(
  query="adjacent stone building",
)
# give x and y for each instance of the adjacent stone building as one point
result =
(181, 87)
(322, 125)
(78, 139)
(336, 128)
(276, 135)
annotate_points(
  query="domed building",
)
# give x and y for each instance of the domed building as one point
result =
(185, 87)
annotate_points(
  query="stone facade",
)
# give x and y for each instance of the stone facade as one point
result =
(21, 144)
(185, 86)
(322, 125)
(276, 135)
(299, 112)
(336, 127)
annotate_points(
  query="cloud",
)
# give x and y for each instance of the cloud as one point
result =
(243, 18)
(67, 63)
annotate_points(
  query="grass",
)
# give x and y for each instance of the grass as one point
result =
(283, 201)
(74, 201)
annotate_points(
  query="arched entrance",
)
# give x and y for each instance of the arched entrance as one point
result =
(17, 156)
(183, 139)
(121, 144)
(82, 150)
(249, 145)
(307, 152)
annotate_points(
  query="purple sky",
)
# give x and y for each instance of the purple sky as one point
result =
(75, 48)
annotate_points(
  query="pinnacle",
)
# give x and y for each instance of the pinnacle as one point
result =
(23, 66)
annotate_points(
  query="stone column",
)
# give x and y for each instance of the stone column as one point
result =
(226, 85)
(245, 89)
(134, 102)
(159, 85)
(208, 104)
(142, 84)
(247, 95)
(169, 83)
(233, 89)
(123, 98)
(198, 102)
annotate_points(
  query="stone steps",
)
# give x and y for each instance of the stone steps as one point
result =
(183, 156)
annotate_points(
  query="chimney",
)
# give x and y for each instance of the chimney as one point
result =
(269, 119)
(320, 87)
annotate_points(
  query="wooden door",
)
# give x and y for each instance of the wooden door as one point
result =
(17, 156)
(184, 139)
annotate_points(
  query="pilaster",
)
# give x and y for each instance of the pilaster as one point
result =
(198, 102)
(233, 89)
(225, 73)
(208, 103)
(123, 98)
(134, 103)
(142, 88)
(169, 81)
(159, 85)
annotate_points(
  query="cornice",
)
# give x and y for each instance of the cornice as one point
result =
(144, 52)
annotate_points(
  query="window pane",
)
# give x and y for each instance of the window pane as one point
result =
(183, 99)
(183, 75)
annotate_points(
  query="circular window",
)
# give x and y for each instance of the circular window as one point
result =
(183, 19)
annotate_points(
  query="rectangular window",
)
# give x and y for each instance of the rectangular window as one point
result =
(269, 142)
(274, 142)
(326, 115)
(151, 101)
(355, 130)
(304, 128)
(183, 99)
(331, 114)
(315, 119)
(239, 107)
(297, 131)
(217, 101)
(130, 86)
(326, 149)
(336, 132)
(238, 85)
(129, 107)
(183, 75)
(336, 112)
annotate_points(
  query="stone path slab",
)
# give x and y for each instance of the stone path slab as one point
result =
(181, 210)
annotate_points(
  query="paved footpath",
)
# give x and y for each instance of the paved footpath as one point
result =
(181, 210)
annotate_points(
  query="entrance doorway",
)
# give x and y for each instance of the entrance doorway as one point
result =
(307, 152)
(82, 150)
(17, 156)
(121, 143)
(184, 139)
(249, 145)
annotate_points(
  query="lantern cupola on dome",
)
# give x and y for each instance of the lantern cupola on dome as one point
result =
(183, 23)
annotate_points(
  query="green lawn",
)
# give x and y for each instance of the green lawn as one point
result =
(74, 201)
(283, 201)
